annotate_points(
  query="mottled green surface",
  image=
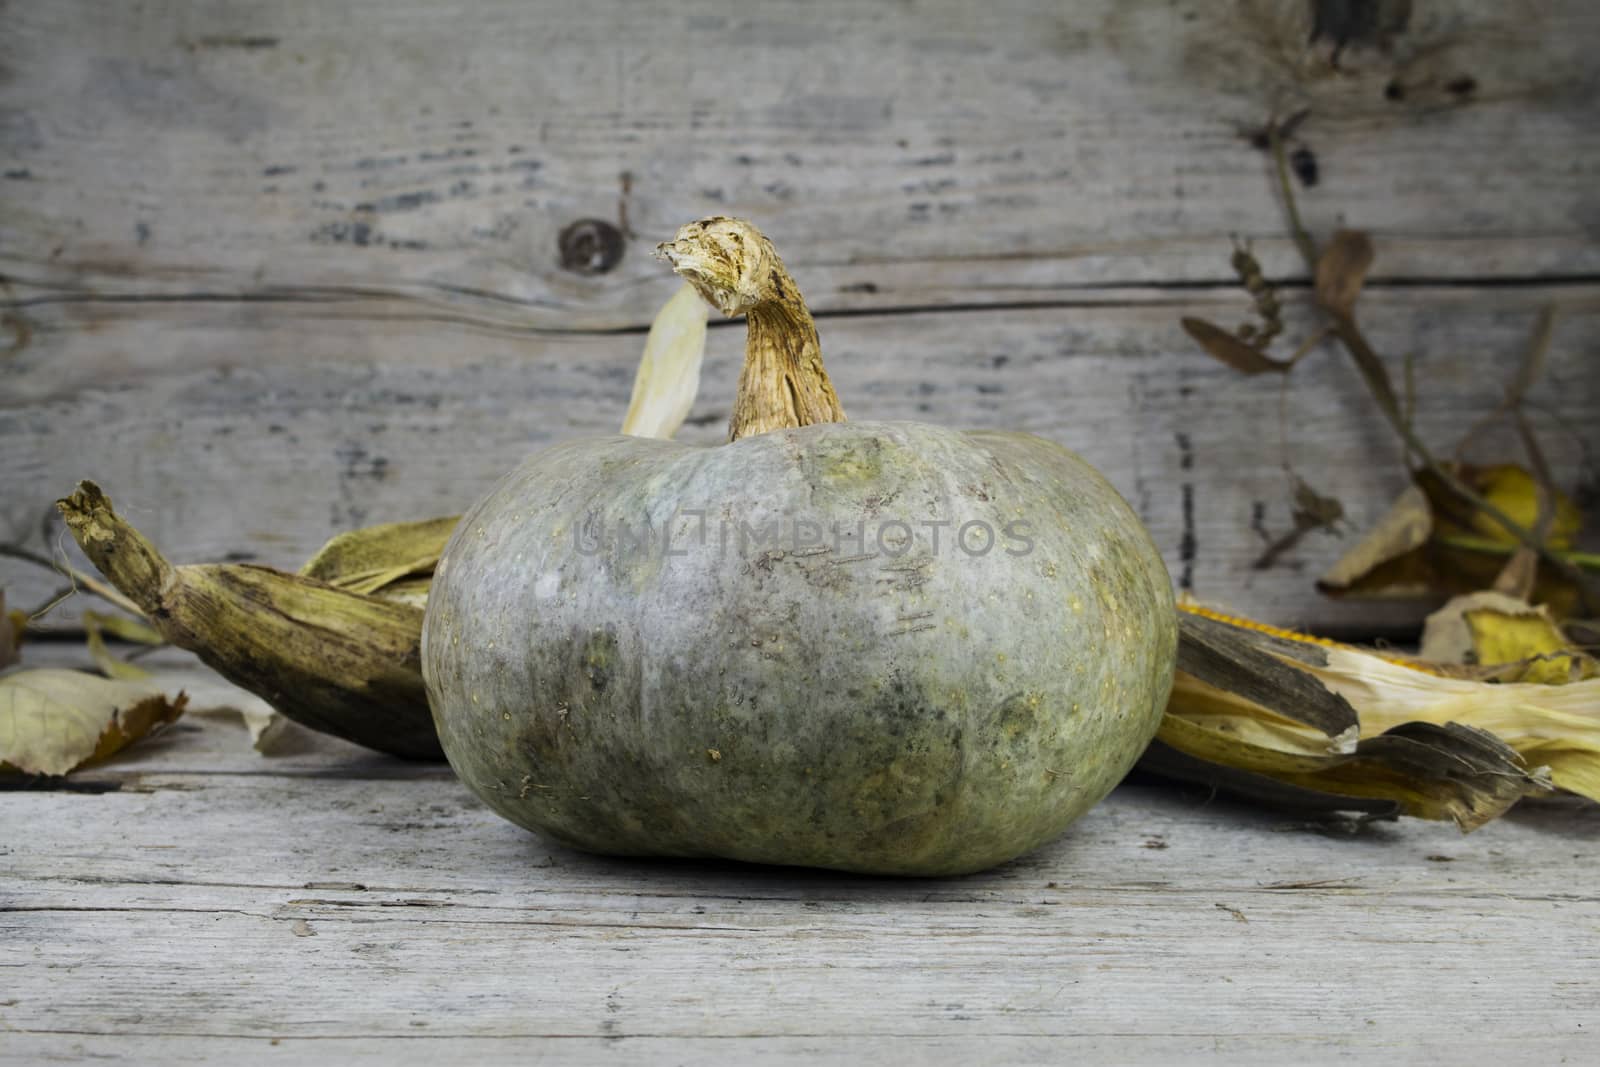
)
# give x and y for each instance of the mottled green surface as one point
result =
(894, 707)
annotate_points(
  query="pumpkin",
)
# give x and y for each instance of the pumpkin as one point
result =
(886, 647)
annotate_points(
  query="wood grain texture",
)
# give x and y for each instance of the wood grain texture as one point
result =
(349, 906)
(221, 435)
(938, 151)
(275, 271)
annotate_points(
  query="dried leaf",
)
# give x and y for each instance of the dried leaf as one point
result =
(1430, 546)
(1446, 638)
(1429, 771)
(109, 665)
(1312, 510)
(1514, 491)
(1224, 347)
(1213, 655)
(668, 377)
(373, 559)
(1405, 527)
(1342, 270)
(11, 626)
(55, 721)
(1529, 644)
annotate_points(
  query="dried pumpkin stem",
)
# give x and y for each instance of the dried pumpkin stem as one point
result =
(735, 268)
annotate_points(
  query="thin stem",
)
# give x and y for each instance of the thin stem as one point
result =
(75, 576)
(1527, 375)
(50, 605)
(1306, 346)
(1409, 377)
(1490, 547)
(1302, 237)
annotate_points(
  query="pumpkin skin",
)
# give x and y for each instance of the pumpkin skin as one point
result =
(875, 705)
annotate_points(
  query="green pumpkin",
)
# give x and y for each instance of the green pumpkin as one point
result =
(886, 647)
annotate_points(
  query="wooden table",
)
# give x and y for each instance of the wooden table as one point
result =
(273, 271)
(197, 902)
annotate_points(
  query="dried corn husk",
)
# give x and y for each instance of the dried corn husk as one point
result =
(1554, 726)
(386, 560)
(668, 378)
(1258, 708)
(1433, 745)
(333, 660)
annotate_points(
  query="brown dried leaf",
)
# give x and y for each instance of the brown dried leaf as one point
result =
(1224, 347)
(373, 558)
(55, 721)
(1342, 270)
(1314, 511)
(109, 664)
(11, 627)
(1404, 528)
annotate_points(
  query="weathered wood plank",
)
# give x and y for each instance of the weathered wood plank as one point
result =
(915, 1050)
(903, 155)
(229, 909)
(258, 432)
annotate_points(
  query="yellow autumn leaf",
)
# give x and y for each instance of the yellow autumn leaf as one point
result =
(55, 721)
(1516, 492)
(97, 625)
(1502, 638)
(1531, 641)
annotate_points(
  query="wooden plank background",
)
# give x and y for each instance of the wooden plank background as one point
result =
(280, 269)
